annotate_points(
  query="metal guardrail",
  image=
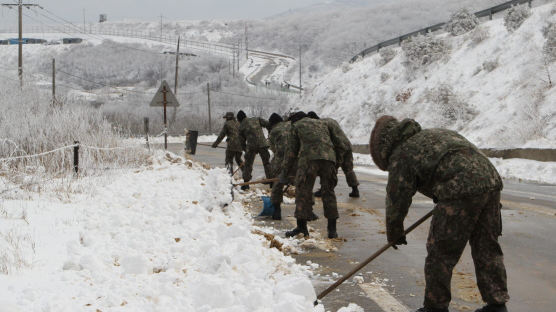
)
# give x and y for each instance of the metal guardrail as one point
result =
(398, 41)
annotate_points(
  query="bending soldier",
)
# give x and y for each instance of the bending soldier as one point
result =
(344, 157)
(253, 142)
(233, 147)
(314, 148)
(279, 136)
(444, 166)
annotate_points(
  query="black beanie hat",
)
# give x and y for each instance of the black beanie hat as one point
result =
(313, 115)
(297, 117)
(274, 119)
(241, 115)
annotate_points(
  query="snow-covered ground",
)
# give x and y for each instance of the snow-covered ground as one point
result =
(499, 75)
(165, 237)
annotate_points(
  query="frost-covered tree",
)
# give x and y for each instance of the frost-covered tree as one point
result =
(420, 51)
(479, 35)
(453, 110)
(386, 55)
(515, 16)
(549, 32)
(461, 22)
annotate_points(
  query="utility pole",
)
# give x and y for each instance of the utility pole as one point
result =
(161, 26)
(300, 86)
(165, 103)
(20, 6)
(53, 82)
(176, 80)
(210, 119)
(246, 44)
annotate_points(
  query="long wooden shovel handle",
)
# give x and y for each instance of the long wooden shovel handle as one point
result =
(258, 182)
(241, 166)
(371, 258)
(209, 145)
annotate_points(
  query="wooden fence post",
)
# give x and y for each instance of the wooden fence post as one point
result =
(76, 157)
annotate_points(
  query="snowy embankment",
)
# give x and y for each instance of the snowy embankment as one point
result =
(166, 237)
(491, 85)
(514, 169)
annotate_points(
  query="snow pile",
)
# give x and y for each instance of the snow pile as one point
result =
(526, 170)
(166, 237)
(493, 87)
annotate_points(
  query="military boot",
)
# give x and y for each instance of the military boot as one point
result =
(300, 229)
(244, 187)
(432, 310)
(354, 192)
(332, 228)
(318, 193)
(277, 215)
(493, 308)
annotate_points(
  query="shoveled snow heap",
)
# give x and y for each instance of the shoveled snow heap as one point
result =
(163, 238)
(500, 76)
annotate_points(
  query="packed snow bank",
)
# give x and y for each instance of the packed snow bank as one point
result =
(166, 237)
(515, 169)
(526, 170)
(491, 85)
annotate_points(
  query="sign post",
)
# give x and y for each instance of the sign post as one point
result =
(164, 98)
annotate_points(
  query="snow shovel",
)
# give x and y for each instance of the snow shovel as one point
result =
(370, 259)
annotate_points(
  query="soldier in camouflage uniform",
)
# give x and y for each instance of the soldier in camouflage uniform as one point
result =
(313, 145)
(253, 142)
(233, 147)
(465, 186)
(345, 160)
(279, 135)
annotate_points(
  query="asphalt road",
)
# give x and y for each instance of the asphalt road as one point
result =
(394, 282)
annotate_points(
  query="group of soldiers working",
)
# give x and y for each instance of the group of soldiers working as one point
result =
(304, 147)
(439, 163)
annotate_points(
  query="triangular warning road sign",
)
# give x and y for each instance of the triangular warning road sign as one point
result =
(158, 100)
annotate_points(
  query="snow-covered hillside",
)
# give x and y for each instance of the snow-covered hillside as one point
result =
(492, 85)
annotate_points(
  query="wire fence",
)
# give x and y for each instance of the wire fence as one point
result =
(490, 12)
(24, 171)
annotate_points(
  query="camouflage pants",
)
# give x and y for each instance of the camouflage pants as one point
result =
(250, 158)
(347, 168)
(304, 183)
(277, 193)
(454, 223)
(230, 155)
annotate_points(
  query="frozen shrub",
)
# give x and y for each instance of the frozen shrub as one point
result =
(549, 32)
(461, 22)
(384, 77)
(386, 55)
(479, 35)
(453, 110)
(421, 51)
(515, 16)
(490, 65)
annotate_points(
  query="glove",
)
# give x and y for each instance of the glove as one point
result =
(214, 145)
(283, 179)
(396, 231)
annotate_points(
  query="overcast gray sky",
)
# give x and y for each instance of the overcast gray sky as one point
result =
(171, 9)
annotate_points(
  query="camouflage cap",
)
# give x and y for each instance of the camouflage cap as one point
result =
(375, 142)
(387, 134)
(229, 115)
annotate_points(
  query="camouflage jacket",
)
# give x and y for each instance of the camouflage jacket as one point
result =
(311, 139)
(230, 130)
(251, 133)
(279, 137)
(439, 163)
(337, 131)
